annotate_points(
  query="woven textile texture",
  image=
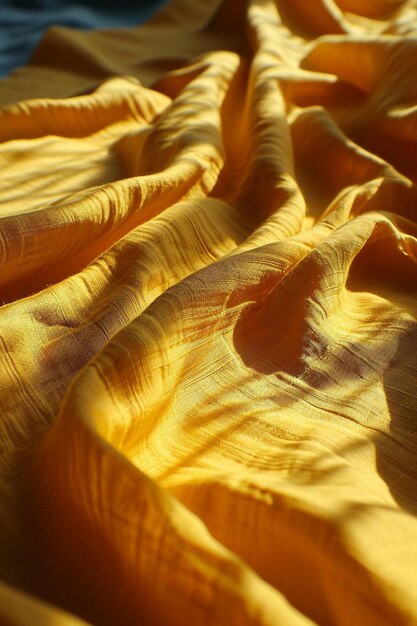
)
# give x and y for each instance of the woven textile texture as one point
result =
(208, 339)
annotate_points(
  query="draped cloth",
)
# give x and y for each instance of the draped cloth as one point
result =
(22, 22)
(208, 336)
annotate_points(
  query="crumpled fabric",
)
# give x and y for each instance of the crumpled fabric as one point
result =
(208, 334)
(22, 22)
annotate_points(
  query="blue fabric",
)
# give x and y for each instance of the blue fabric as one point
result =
(22, 22)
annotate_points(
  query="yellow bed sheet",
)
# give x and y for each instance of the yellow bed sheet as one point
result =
(208, 337)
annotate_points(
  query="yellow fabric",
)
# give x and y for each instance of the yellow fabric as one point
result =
(208, 334)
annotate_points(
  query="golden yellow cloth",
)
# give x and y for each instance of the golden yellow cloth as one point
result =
(208, 333)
